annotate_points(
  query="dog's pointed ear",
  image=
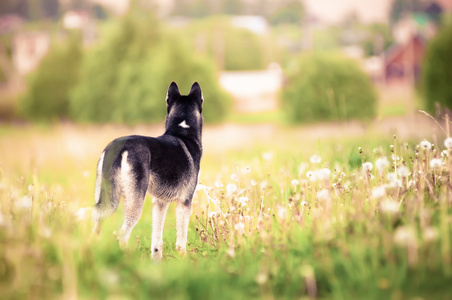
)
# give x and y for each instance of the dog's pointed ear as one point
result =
(196, 93)
(173, 92)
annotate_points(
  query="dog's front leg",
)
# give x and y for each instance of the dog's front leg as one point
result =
(183, 212)
(158, 219)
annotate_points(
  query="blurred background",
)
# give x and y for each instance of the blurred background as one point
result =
(258, 61)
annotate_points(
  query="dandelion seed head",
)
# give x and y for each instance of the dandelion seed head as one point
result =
(243, 200)
(239, 227)
(323, 195)
(218, 184)
(315, 159)
(253, 182)
(295, 182)
(261, 278)
(234, 177)
(231, 188)
(389, 207)
(282, 212)
(379, 192)
(382, 164)
(23, 203)
(425, 145)
(448, 143)
(367, 167)
(404, 236)
(323, 174)
(403, 172)
(436, 163)
(231, 252)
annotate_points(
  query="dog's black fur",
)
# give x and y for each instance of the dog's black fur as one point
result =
(166, 166)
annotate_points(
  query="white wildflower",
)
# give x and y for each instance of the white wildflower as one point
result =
(243, 200)
(315, 159)
(444, 154)
(234, 177)
(403, 172)
(311, 175)
(253, 182)
(448, 143)
(379, 192)
(231, 252)
(436, 163)
(323, 174)
(295, 182)
(392, 177)
(367, 167)
(239, 227)
(405, 236)
(24, 203)
(231, 188)
(382, 164)
(261, 278)
(282, 211)
(425, 145)
(263, 185)
(323, 195)
(389, 207)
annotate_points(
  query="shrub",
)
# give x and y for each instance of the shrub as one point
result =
(46, 98)
(125, 78)
(323, 87)
(437, 73)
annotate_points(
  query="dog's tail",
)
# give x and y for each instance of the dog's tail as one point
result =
(107, 192)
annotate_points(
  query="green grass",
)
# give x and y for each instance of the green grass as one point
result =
(277, 232)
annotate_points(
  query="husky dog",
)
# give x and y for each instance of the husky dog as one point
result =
(166, 166)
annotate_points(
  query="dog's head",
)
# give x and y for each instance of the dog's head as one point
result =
(184, 112)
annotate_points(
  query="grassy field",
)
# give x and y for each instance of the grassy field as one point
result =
(366, 217)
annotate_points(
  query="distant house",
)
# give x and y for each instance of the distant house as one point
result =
(402, 62)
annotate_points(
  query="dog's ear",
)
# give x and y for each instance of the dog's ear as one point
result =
(173, 93)
(196, 93)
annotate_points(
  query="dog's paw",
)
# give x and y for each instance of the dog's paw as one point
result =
(181, 250)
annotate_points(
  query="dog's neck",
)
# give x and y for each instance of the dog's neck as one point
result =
(190, 134)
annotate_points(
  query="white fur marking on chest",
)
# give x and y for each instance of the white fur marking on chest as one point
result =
(183, 124)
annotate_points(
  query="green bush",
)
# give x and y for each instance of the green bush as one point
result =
(46, 98)
(125, 78)
(322, 87)
(437, 71)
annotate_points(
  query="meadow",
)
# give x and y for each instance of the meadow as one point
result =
(288, 216)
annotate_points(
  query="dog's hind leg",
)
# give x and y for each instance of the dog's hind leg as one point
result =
(183, 212)
(134, 183)
(158, 220)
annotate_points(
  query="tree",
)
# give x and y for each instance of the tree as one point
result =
(47, 98)
(437, 73)
(326, 87)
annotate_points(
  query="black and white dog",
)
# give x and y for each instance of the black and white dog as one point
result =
(166, 166)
